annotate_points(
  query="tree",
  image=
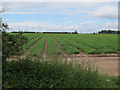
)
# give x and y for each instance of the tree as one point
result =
(11, 44)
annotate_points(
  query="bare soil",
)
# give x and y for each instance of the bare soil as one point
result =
(105, 65)
(45, 48)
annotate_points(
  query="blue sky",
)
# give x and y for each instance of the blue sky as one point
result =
(85, 17)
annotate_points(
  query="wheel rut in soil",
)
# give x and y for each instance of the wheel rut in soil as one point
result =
(45, 47)
(26, 53)
(33, 45)
(59, 46)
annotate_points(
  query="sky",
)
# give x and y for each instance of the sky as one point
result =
(85, 17)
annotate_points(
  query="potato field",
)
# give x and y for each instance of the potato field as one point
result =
(56, 44)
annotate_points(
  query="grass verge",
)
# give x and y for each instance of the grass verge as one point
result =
(26, 73)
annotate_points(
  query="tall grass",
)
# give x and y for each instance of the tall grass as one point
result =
(55, 73)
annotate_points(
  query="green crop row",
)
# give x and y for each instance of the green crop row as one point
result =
(38, 47)
(30, 42)
(30, 36)
(76, 47)
(52, 47)
(102, 43)
(73, 43)
(69, 49)
(89, 43)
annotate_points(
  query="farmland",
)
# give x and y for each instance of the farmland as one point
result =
(93, 47)
(59, 45)
(43, 71)
(72, 44)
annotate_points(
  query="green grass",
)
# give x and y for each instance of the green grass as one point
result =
(53, 74)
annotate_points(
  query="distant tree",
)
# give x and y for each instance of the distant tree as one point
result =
(76, 32)
(108, 32)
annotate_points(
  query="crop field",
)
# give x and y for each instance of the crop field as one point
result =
(52, 47)
(64, 60)
(89, 43)
(31, 39)
(55, 44)
(38, 47)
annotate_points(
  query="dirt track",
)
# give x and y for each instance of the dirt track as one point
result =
(45, 48)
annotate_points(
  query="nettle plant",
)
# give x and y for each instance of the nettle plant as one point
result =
(11, 44)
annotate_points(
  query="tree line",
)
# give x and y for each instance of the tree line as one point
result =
(108, 32)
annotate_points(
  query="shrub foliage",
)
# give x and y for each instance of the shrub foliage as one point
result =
(11, 44)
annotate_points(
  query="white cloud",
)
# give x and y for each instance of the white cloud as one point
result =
(109, 12)
(53, 8)
(20, 13)
(111, 25)
(60, 1)
(84, 27)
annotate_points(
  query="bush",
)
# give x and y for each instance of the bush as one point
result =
(12, 44)
(51, 74)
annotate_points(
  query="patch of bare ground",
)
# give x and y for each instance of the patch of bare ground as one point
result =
(83, 54)
(104, 55)
(45, 48)
(105, 65)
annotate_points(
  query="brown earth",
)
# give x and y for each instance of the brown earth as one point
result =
(45, 48)
(107, 65)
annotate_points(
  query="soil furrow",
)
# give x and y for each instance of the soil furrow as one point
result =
(45, 48)
(27, 51)
(32, 45)
(59, 46)
(83, 54)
